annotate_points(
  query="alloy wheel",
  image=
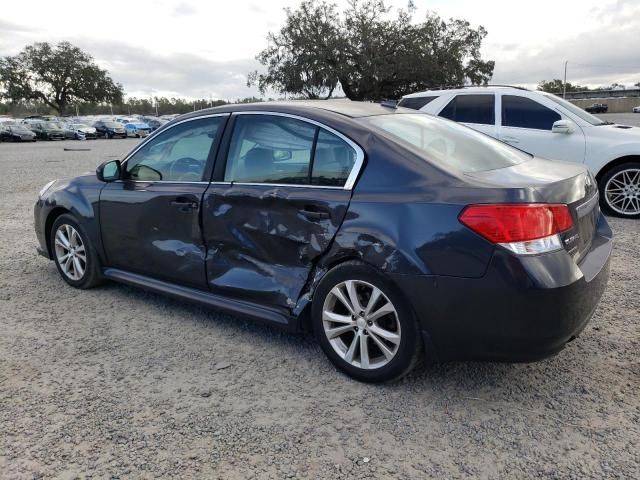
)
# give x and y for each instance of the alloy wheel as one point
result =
(70, 252)
(622, 192)
(361, 324)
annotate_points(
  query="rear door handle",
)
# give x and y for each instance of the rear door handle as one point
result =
(184, 205)
(510, 140)
(315, 214)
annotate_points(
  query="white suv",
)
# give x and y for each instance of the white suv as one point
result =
(547, 126)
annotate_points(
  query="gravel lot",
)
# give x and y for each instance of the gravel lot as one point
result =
(118, 383)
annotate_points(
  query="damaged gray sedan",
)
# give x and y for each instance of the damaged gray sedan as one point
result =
(392, 235)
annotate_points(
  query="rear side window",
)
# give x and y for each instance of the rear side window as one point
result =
(333, 160)
(523, 112)
(415, 102)
(471, 109)
(274, 149)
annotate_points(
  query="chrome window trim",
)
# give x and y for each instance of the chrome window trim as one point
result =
(355, 170)
(159, 131)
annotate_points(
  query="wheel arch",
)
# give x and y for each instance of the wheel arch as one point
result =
(614, 163)
(53, 215)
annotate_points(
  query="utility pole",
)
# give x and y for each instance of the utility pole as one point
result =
(564, 85)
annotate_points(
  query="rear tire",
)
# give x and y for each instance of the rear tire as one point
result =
(355, 307)
(620, 190)
(75, 257)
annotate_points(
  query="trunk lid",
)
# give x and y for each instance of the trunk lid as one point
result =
(555, 182)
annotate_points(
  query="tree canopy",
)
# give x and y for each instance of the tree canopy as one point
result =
(57, 76)
(370, 55)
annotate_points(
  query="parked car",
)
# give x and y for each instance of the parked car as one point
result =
(45, 130)
(109, 129)
(547, 126)
(154, 123)
(597, 108)
(405, 235)
(80, 131)
(125, 120)
(137, 129)
(636, 109)
(16, 133)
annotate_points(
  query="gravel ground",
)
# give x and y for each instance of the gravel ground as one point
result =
(118, 383)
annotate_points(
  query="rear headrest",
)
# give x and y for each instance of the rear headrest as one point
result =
(258, 160)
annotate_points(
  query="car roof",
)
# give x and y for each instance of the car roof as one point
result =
(476, 89)
(345, 107)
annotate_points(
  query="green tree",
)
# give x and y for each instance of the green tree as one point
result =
(58, 76)
(370, 55)
(557, 86)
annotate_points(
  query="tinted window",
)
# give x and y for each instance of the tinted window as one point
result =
(179, 154)
(525, 113)
(446, 144)
(471, 109)
(333, 160)
(415, 102)
(270, 149)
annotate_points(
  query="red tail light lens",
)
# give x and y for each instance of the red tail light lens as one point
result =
(520, 222)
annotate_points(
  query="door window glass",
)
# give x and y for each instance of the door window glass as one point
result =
(471, 109)
(270, 149)
(333, 160)
(179, 154)
(523, 112)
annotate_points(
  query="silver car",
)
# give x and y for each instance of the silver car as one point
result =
(79, 131)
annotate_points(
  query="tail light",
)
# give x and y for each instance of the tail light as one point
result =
(523, 228)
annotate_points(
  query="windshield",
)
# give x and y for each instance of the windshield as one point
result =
(80, 125)
(53, 125)
(112, 125)
(447, 143)
(577, 111)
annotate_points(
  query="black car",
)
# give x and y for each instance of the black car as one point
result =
(108, 129)
(597, 108)
(389, 233)
(16, 133)
(46, 130)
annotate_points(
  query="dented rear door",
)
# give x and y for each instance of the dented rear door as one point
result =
(262, 241)
(281, 190)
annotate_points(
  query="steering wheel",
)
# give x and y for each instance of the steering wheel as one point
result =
(186, 169)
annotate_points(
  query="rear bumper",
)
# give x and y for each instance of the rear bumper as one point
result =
(522, 309)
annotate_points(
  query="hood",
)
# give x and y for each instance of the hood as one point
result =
(618, 130)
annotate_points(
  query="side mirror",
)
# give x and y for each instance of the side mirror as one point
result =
(109, 171)
(562, 126)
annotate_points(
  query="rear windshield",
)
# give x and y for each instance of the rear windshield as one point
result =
(447, 143)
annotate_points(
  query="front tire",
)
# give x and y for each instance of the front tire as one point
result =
(75, 257)
(620, 190)
(364, 324)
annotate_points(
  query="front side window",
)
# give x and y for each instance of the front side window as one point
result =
(280, 150)
(478, 109)
(179, 154)
(522, 112)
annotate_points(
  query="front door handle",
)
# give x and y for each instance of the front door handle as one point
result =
(510, 140)
(315, 214)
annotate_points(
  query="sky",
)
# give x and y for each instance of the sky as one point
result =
(205, 49)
